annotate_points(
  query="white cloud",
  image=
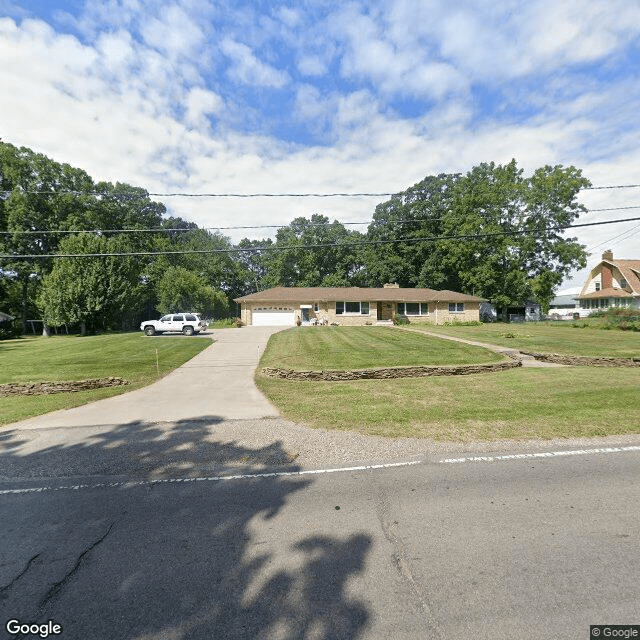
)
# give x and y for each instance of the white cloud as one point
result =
(246, 67)
(173, 33)
(311, 65)
(200, 103)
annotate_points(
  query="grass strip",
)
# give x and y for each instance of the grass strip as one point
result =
(566, 402)
(545, 337)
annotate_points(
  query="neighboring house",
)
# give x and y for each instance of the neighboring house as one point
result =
(5, 317)
(282, 306)
(530, 311)
(564, 307)
(611, 283)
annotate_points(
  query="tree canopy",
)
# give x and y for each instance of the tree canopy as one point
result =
(493, 232)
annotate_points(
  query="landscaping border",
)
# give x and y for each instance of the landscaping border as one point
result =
(601, 361)
(387, 373)
(46, 388)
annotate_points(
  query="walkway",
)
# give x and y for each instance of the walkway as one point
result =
(527, 361)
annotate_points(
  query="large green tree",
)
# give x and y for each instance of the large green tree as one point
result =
(95, 292)
(42, 201)
(312, 253)
(182, 290)
(493, 232)
(37, 195)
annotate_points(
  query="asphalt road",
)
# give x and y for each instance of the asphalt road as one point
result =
(537, 548)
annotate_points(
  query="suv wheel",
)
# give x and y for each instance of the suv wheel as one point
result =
(188, 331)
(149, 330)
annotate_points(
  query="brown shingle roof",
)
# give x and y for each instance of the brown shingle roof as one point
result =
(355, 294)
(630, 269)
(609, 292)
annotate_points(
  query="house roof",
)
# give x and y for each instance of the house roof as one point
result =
(609, 292)
(355, 294)
(630, 269)
(566, 299)
(5, 317)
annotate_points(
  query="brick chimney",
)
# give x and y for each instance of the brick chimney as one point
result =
(607, 276)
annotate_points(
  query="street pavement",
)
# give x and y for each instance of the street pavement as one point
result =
(501, 549)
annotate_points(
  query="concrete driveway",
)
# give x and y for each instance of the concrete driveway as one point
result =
(217, 382)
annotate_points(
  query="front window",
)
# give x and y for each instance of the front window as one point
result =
(597, 286)
(456, 307)
(353, 308)
(413, 308)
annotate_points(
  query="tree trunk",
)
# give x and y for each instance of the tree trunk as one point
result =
(83, 328)
(46, 330)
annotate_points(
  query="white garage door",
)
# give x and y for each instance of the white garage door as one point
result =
(273, 317)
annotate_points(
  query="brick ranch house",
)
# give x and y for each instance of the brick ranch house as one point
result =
(611, 283)
(284, 306)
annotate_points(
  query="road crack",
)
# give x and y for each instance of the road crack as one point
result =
(8, 586)
(57, 587)
(401, 563)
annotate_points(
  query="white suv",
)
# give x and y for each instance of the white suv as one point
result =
(187, 323)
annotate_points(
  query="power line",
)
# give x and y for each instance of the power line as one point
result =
(184, 194)
(332, 245)
(41, 232)
(618, 237)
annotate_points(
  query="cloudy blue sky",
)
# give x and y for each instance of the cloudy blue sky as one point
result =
(325, 96)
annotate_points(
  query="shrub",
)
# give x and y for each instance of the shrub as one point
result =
(463, 323)
(237, 322)
(9, 330)
(224, 323)
(399, 320)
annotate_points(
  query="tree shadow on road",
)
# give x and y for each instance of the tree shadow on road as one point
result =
(156, 545)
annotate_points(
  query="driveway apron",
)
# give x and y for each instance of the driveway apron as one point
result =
(218, 382)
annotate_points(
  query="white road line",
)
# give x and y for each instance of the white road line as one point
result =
(544, 454)
(140, 483)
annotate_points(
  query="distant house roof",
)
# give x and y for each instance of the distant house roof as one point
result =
(5, 317)
(609, 292)
(567, 300)
(630, 271)
(355, 294)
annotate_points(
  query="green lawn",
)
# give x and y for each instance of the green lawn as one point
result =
(131, 356)
(516, 404)
(321, 348)
(542, 337)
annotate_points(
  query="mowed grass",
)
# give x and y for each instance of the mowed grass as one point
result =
(544, 337)
(322, 348)
(523, 403)
(131, 356)
(516, 404)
